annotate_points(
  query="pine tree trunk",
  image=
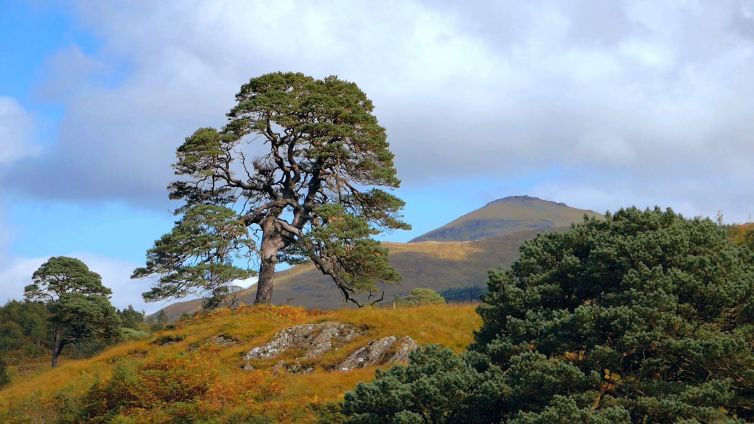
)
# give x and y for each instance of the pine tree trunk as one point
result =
(272, 242)
(264, 283)
(57, 347)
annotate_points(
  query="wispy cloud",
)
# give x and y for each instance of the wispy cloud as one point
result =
(16, 132)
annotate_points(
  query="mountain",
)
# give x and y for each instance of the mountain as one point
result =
(434, 265)
(505, 216)
(438, 265)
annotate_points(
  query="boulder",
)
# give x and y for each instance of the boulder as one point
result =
(386, 350)
(313, 339)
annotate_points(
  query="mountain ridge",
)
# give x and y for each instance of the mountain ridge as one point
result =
(505, 216)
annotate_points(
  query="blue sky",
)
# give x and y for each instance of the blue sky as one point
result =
(599, 105)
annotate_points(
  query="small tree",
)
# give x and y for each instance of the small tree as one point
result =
(421, 296)
(24, 325)
(78, 303)
(131, 318)
(158, 320)
(320, 156)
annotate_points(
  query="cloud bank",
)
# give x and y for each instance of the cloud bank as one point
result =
(630, 102)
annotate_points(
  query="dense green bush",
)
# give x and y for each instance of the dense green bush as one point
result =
(436, 387)
(131, 318)
(420, 297)
(644, 316)
(131, 334)
(4, 377)
(660, 306)
(11, 336)
(23, 328)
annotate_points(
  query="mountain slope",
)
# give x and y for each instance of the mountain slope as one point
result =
(506, 216)
(434, 265)
(489, 237)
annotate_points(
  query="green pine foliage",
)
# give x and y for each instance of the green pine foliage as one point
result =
(421, 296)
(23, 330)
(644, 316)
(197, 256)
(436, 387)
(131, 318)
(343, 249)
(661, 307)
(323, 159)
(78, 304)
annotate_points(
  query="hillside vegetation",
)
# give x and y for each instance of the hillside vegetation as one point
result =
(182, 373)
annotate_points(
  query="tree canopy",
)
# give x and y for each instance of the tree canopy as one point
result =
(437, 386)
(420, 296)
(78, 303)
(196, 257)
(661, 307)
(644, 316)
(297, 159)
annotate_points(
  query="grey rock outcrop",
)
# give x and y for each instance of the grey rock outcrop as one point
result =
(313, 339)
(386, 350)
(309, 341)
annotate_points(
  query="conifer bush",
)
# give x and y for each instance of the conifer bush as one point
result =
(643, 316)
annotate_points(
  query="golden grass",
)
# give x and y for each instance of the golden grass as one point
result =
(446, 250)
(286, 396)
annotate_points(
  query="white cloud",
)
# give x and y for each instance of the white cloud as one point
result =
(16, 131)
(646, 94)
(69, 70)
(16, 273)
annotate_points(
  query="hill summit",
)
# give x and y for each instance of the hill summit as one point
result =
(506, 216)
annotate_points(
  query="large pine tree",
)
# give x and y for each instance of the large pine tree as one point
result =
(300, 162)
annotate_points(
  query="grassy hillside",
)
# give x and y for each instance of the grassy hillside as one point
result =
(182, 371)
(506, 216)
(434, 265)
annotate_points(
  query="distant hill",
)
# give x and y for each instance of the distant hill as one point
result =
(435, 265)
(505, 216)
(493, 235)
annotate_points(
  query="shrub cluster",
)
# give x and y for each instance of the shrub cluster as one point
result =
(420, 296)
(644, 316)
